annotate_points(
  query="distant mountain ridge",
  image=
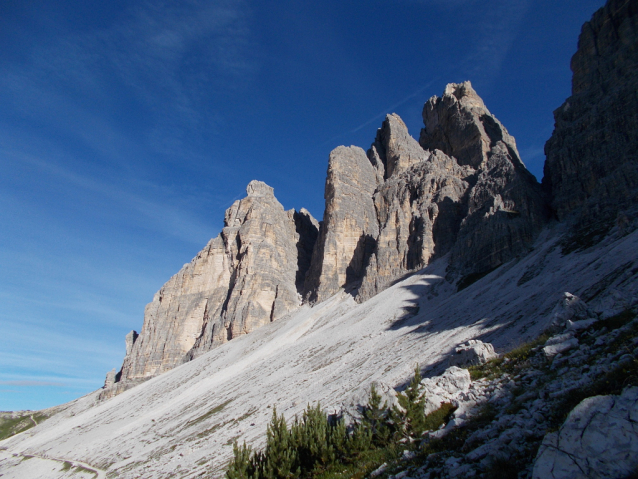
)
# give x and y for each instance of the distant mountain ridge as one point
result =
(461, 190)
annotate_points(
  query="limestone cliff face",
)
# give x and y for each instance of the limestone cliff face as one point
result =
(461, 190)
(349, 226)
(591, 170)
(249, 275)
(506, 207)
(394, 150)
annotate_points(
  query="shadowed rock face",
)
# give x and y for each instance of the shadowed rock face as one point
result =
(249, 275)
(419, 212)
(506, 208)
(592, 169)
(463, 190)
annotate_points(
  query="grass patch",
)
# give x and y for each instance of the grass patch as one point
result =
(79, 469)
(438, 418)
(246, 415)
(612, 382)
(209, 414)
(360, 468)
(512, 362)
(10, 426)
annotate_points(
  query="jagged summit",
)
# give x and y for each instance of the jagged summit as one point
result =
(391, 211)
(258, 188)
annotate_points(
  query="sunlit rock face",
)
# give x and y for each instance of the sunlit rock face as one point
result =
(592, 169)
(249, 275)
(349, 226)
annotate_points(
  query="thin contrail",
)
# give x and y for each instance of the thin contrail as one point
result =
(385, 111)
(390, 108)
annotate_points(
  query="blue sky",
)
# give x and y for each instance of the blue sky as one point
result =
(128, 127)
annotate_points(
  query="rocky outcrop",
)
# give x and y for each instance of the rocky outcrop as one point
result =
(350, 226)
(394, 150)
(472, 353)
(591, 170)
(249, 275)
(506, 208)
(462, 190)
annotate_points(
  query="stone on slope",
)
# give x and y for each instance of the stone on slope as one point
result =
(445, 388)
(249, 275)
(599, 439)
(592, 169)
(472, 353)
(570, 308)
(506, 207)
(349, 229)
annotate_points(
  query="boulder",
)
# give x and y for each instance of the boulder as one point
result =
(472, 353)
(599, 439)
(569, 308)
(559, 344)
(445, 388)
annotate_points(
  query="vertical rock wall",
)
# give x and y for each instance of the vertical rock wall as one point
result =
(506, 208)
(591, 170)
(349, 226)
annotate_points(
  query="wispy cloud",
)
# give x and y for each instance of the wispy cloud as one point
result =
(165, 57)
(494, 34)
(132, 197)
(32, 383)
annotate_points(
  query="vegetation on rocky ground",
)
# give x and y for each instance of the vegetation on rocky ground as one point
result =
(15, 423)
(320, 446)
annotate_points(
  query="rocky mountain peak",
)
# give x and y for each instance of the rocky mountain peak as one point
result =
(249, 275)
(394, 147)
(259, 189)
(460, 125)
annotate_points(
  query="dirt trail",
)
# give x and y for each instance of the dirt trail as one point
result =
(99, 473)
